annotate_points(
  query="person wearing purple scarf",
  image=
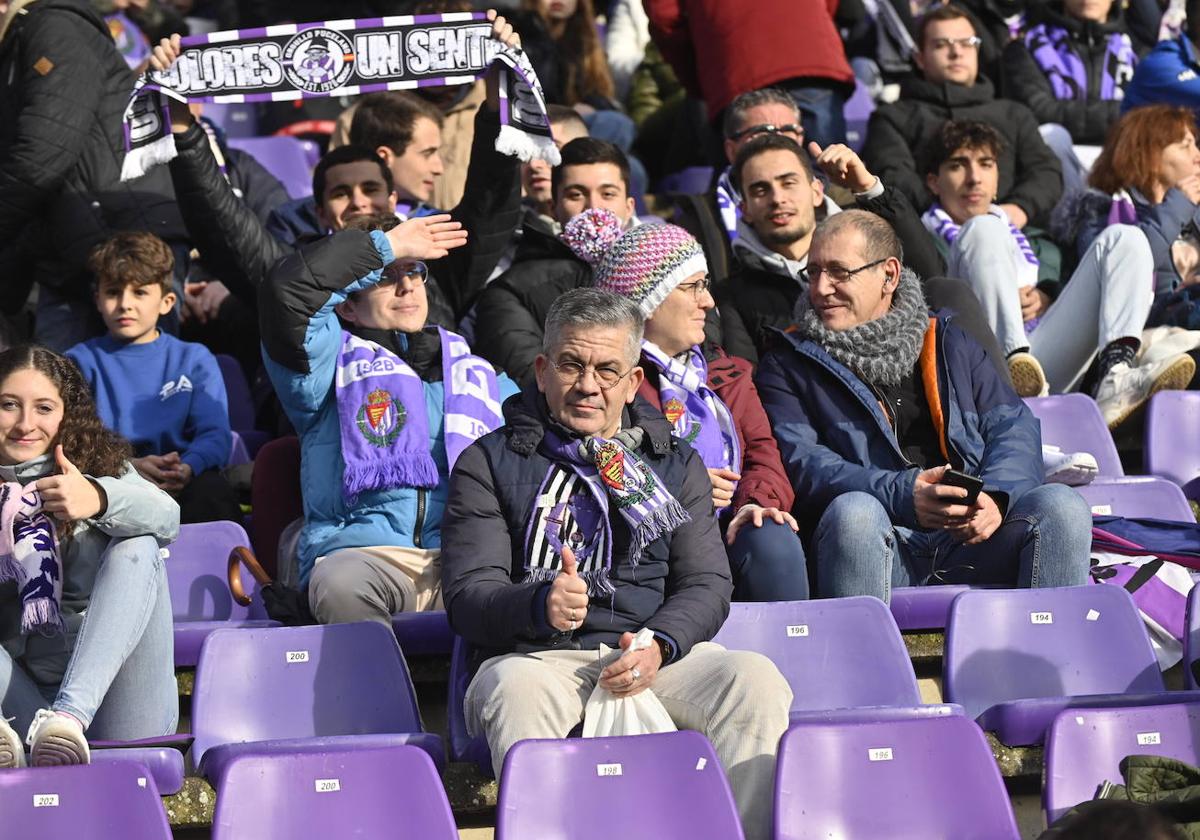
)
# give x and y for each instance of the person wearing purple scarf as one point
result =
(581, 522)
(710, 400)
(383, 406)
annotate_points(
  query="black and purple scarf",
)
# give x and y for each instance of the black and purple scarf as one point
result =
(29, 555)
(1050, 47)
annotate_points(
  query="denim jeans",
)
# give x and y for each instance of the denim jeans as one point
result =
(119, 679)
(1044, 541)
(768, 564)
(822, 110)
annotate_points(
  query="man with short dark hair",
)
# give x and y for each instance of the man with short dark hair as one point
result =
(873, 401)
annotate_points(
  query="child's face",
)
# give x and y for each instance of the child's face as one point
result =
(131, 313)
(31, 411)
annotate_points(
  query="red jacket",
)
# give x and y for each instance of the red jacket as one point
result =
(764, 481)
(722, 48)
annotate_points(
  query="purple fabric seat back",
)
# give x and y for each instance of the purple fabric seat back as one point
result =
(1191, 639)
(1145, 497)
(392, 792)
(694, 180)
(283, 157)
(196, 576)
(835, 653)
(1073, 422)
(114, 800)
(1009, 644)
(903, 779)
(1171, 445)
(237, 391)
(300, 682)
(587, 789)
(1085, 746)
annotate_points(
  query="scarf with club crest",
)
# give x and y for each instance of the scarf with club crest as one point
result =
(29, 555)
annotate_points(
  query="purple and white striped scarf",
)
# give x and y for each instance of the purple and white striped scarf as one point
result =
(381, 411)
(694, 410)
(29, 555)
(338, 58)
(614, 476)
(1050, 47)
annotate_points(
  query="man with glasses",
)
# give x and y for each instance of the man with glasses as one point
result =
(874, 401)
(951, 88)
(581, 523)
(383, 405)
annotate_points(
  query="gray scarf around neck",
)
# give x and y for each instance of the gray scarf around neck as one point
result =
(879, 352)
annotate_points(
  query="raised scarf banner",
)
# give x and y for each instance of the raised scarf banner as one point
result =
(338, 58)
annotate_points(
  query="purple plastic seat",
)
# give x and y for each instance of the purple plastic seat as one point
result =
(1085, 746)
(165, 764)
(200, 597)
(1074, 423)
(668, 786)
(109, 800)
(1017, 657)
(900, 779)
(391, 792)
(283, 157)
(462, 746)
(237, 391)
(694, 180)
(857, 111)
(923, 607)
(1138, 496)
(423, 633)
(1191, 638)
(1171, 447)
(292, 689)
(842, 657)
(236, 119)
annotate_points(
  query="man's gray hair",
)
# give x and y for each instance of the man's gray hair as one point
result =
(879, 238)
(736, 112)
(588, 307)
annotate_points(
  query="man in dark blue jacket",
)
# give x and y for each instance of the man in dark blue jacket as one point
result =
(580, 523)
(873, 400)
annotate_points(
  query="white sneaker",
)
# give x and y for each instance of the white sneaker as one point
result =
(1126, 389)
(1073, 469)
(12, 751)
(55, 739)
(1028, 378)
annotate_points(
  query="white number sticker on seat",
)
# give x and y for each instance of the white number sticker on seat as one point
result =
(1149, 739)
(296, 656)
(880, 754)
(701, 763)
(327, 785)
(45, 800)
(608, 769)
(1092, 615)
(1102, 510)
(794, 630)
(1041, 618)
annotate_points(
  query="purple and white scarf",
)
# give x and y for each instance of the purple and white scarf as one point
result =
(381, 411)
(29, 555)
(587, 478)
(1050, 47)
(338, 58)
(693, 409)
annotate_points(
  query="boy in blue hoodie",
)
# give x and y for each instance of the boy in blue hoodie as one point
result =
(164, 395)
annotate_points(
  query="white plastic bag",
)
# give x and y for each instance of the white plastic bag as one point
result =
(640, 714)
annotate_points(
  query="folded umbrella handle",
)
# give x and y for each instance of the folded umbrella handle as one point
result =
(242, 556)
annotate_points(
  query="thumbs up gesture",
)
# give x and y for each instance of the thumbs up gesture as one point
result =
(70, 496)
(567, 601)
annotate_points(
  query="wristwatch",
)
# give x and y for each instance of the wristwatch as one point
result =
(664, 649)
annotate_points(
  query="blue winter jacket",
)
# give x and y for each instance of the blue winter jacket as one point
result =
(1168, 75)
(302, 337)
(835, 438)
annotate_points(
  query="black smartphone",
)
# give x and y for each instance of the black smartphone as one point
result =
(968, 482)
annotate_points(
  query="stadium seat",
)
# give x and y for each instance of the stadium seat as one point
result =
(1172, 449)
(200, 597)
(1084, 747)
(241, 405)
(165, 764)
(842, 657)
(1145, 497)
(1017, 657)
(284, 690)
(900, 779)
(1191, 639)
(923, 607)
(391, 792)
(108, 800)
(668, 786)
(283, 157)
(1074, 423)
(857, 111)
(694, 180)
(462, 746)
(236, 119)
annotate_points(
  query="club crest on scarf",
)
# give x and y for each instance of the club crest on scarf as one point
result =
(381, 418)
(318, 60)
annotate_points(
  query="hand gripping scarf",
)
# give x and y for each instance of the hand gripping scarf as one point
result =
(29, 555)
(384, 425)
(1050, 47)
(613, 476)
(338, 58)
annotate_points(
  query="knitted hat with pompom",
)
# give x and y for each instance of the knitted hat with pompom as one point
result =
(648, 262)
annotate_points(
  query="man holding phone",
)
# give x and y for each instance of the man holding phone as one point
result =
(914, 463)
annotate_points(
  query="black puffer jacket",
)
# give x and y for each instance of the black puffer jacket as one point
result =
(63, 91)
(238, 249)
(1030, 174)
(1087, 117)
